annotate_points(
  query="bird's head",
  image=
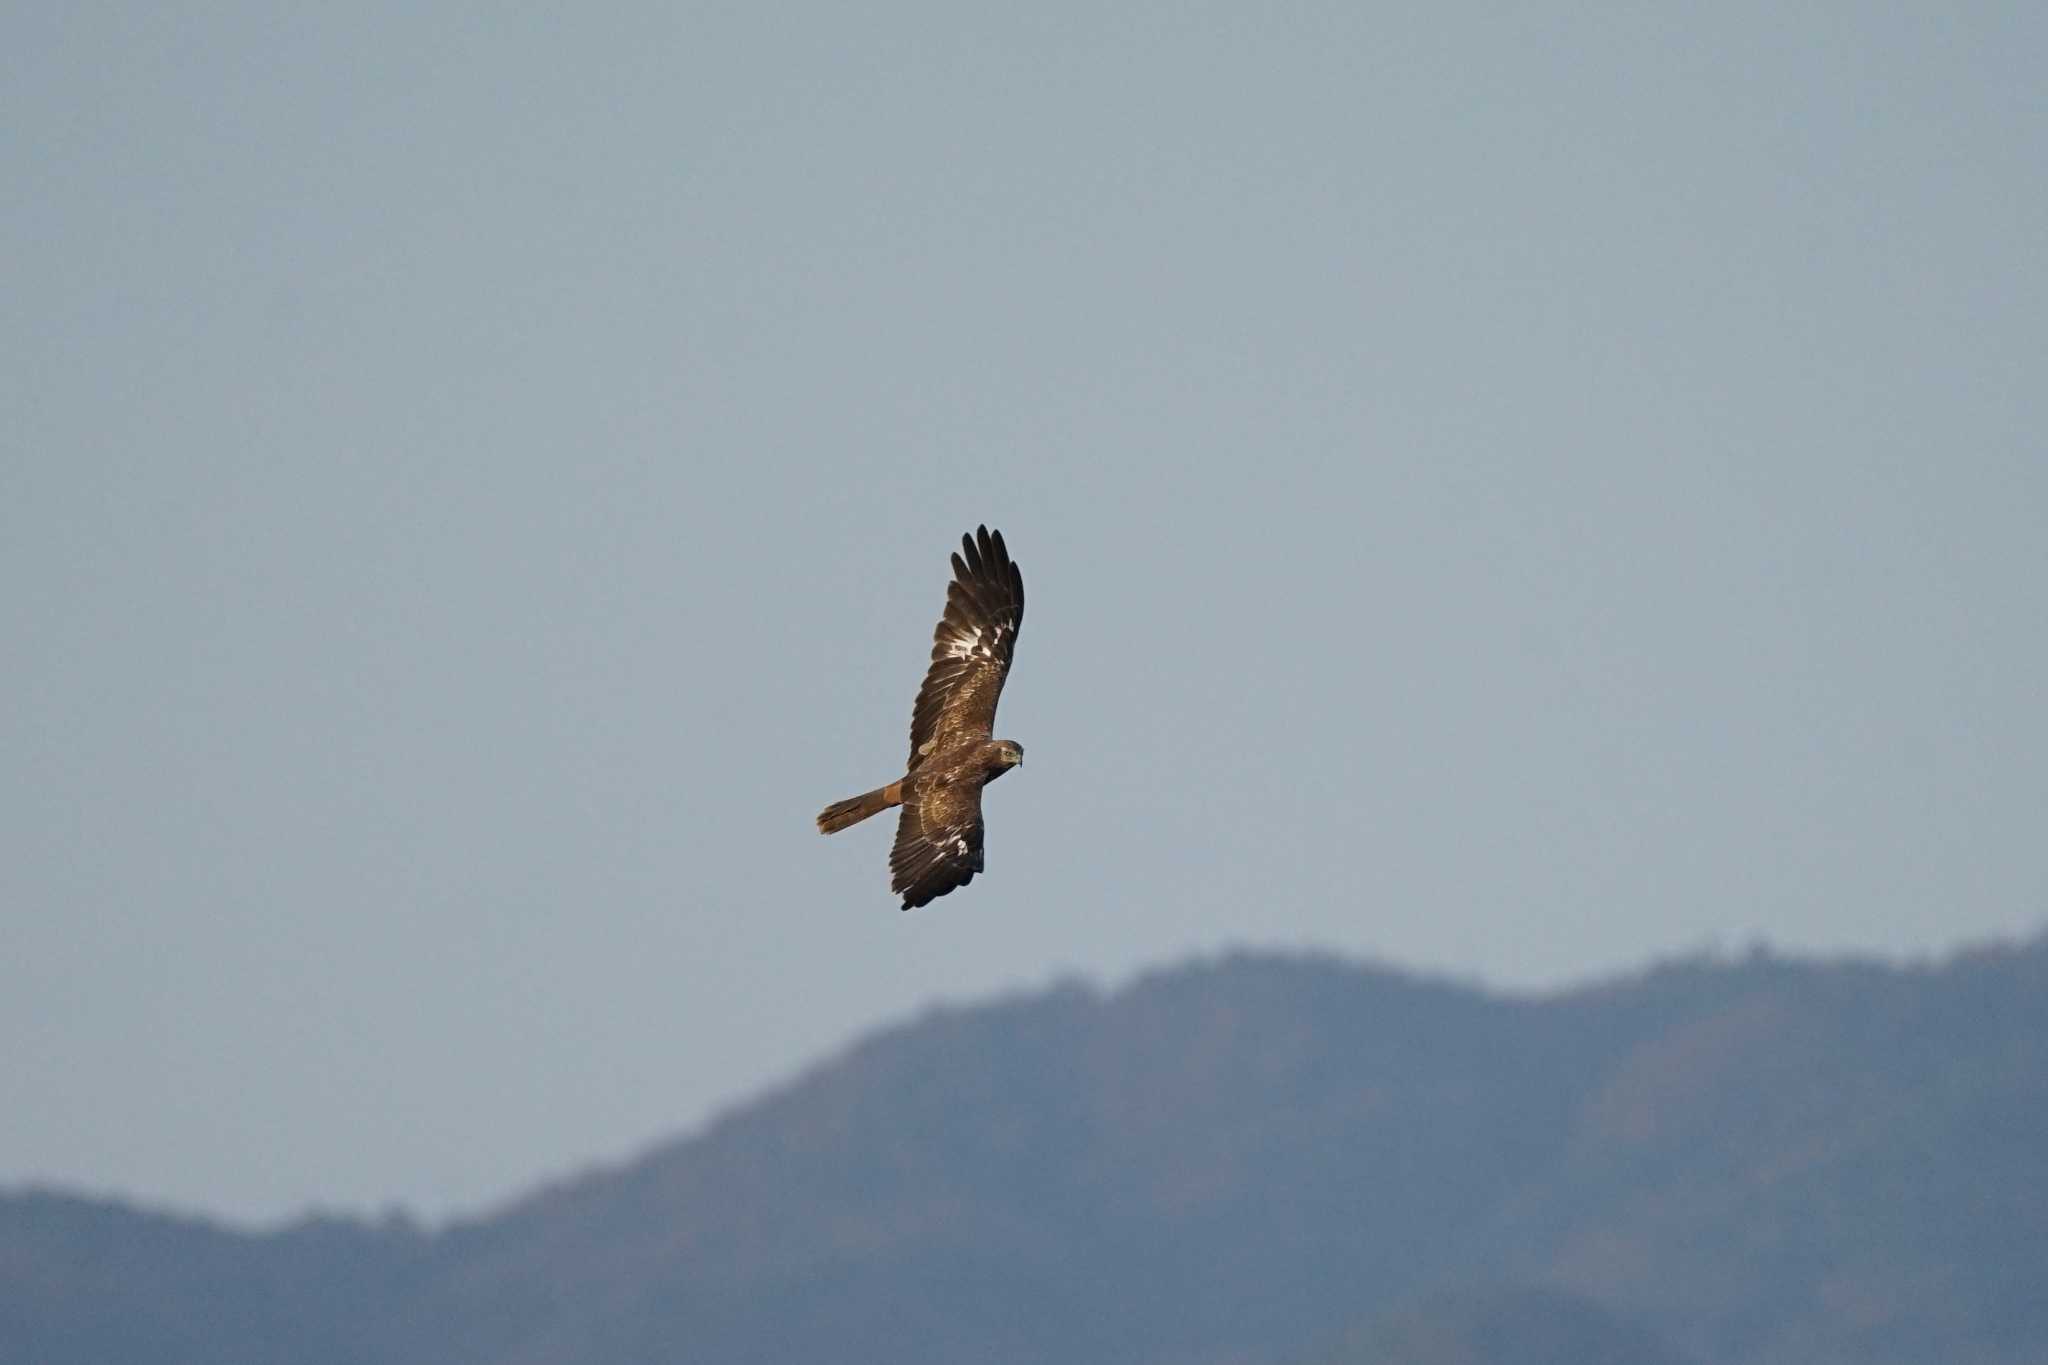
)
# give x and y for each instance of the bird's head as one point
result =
(1010, 753)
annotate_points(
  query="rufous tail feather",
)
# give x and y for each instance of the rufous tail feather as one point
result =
(855, 809)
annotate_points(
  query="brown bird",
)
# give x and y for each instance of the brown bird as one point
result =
(952, 752)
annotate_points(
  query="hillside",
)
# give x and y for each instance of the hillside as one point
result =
(1268, 1160)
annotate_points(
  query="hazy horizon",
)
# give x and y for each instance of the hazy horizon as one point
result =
(1514, 497)
(437, 1218)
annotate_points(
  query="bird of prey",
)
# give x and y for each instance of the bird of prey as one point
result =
(953, 752)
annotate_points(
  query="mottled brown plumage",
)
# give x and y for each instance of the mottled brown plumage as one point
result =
(952, 752)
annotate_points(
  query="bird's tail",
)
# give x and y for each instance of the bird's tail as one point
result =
(855, 809)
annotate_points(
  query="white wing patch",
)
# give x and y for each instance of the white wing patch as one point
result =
(961, 849)
(966, 644)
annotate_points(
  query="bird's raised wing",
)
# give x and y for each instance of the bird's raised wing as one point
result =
(938, 843)
(970, 649)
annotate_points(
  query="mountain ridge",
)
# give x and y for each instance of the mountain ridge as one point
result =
(1235, 1159)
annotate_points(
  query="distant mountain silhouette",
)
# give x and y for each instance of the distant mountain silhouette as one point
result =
(1502, 1326)
(1260, 1160)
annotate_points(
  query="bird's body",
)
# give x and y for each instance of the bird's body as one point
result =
(953, 754)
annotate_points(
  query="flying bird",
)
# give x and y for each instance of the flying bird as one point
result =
(953, 752)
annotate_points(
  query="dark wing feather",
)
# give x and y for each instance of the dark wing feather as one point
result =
(971, 648)
(938, 843)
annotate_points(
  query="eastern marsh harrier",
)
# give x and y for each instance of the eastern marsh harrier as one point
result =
(953, 754)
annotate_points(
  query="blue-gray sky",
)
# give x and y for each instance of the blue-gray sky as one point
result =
(1507, 495)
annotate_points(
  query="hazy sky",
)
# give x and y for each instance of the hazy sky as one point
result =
(1507, 495)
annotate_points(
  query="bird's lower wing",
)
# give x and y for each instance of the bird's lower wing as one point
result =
(938, 844)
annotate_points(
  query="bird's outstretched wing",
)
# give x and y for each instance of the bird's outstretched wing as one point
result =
(938, 843)
(970, 649)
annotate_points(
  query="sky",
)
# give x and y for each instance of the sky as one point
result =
(1510, 496)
